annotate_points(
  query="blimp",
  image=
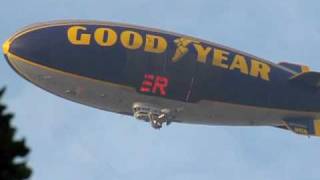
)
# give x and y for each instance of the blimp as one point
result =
(162, 77)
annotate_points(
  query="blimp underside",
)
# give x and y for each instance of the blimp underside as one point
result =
(154, 76)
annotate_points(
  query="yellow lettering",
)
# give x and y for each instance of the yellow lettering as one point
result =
(300, 130)
(317, 127)
(239, 62)
(202, 52)
(105, 36)
(131, 39)
(219, 56)
(155, 44)
(77, 38)
(260, 69)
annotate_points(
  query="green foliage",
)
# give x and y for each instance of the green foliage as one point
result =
(10, 149)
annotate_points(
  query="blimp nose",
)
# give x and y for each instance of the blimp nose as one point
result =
(25, 44)
(10, 56)
(11, 59)
(34, 46)
(6, 52)
(6, 47)
(24, 50)
(66, 48)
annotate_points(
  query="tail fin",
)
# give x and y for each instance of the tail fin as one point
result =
(295, 67)
(302, 126)
(308, 78)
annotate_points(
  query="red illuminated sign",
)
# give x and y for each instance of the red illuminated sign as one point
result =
(154, 84)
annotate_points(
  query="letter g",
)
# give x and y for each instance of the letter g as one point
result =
(76, 37)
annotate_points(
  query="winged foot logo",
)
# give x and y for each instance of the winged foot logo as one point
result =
(182, 48)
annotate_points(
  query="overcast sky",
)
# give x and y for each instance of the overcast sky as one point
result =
(72, 141)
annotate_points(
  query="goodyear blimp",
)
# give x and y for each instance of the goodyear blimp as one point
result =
(163, 77)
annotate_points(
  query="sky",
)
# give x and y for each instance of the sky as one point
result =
(72, 141)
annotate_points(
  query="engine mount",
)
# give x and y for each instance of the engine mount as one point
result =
(151, 113)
